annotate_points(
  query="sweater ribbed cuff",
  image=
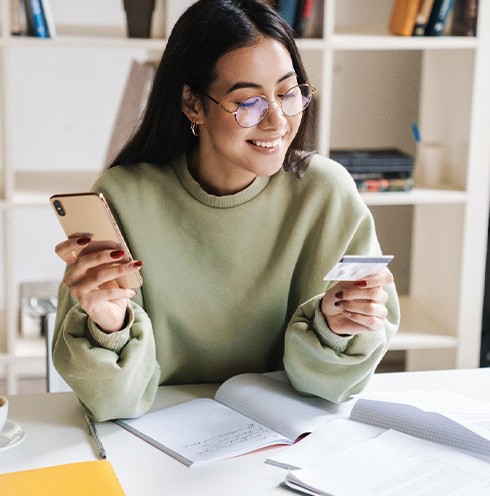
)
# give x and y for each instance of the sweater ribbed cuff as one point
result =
(328, 338)
(114, 341)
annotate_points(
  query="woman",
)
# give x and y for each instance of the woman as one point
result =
(233, 228)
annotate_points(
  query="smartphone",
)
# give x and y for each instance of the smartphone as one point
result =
(90, 213)
(355, 267)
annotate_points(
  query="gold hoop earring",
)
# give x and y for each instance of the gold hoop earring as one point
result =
(195, 128)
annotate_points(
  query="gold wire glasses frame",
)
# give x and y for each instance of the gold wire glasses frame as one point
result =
(252, 111)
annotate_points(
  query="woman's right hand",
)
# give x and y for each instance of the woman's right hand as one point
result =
(92, 277)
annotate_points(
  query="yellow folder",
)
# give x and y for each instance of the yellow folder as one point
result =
(74, 479)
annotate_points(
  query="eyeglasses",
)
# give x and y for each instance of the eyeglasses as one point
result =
(254, 110)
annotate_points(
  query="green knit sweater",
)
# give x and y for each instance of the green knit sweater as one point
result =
(231, 284)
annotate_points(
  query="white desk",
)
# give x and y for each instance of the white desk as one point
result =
(57, 434)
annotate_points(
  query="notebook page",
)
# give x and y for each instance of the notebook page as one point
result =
(276, 404)
(441, 417)
(202, 430)
(338, 435)
(394, 463)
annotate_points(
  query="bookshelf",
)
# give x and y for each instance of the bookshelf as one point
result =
(59, 98)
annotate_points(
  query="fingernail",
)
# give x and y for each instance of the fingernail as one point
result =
(117, 254)
(138, 263)
(338, 303)
(339, 295)
(83, 241)
(360, 284)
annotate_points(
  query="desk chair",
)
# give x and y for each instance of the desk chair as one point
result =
(54, 381)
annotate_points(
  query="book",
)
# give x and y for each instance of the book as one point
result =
(248, 412)
(438, 17)
(288, 10)
(449, 419)
(313, 27)
(18, 20)
(465, 18)
(36, 21)
(48, 16)
(422, 17)
(72, 479)
(303, 16)
(403, 15)
(384, 184)
(379, 160)
(133, 103)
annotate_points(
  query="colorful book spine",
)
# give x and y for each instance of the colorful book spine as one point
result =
(403, 15)
(438, 17)
(303, 17)
(36, 21)
(379, 161)
(288, 10)
(465, 17)
(48, 17)
(384, 185)
(423, 17)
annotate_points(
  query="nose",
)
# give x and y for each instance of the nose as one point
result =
(275, 118)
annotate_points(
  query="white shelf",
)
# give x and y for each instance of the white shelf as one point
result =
(417, 196)
(377, 37)
(30, 348)
(103, 38)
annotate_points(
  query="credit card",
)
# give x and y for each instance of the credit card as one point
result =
(356, 267)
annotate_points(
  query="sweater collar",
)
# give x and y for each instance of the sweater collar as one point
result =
(225, 201)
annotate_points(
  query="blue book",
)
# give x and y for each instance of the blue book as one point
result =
(288, 10)
(35, 19)
(438, 17)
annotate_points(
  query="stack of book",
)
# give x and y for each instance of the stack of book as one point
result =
(382, 169)
(434, 17)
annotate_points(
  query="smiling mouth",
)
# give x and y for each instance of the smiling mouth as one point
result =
(266, 144)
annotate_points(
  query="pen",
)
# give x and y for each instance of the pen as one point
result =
(415, 132)
(93, 432)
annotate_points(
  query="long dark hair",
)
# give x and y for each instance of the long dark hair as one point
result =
(205, 32)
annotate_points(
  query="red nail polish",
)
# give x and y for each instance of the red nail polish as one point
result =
(339, 295)
(138, 263)
(338, 303)
(117, 254)
(83, 241)
(361, 284)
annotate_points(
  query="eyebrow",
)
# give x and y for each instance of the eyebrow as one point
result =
(245, 84)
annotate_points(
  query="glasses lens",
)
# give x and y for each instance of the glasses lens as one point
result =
(296, 99)
(251, 111)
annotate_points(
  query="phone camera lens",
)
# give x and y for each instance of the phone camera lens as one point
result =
(59, 208)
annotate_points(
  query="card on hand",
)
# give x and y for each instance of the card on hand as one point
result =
(356, 267)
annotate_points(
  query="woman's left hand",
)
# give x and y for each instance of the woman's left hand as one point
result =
(351, 307)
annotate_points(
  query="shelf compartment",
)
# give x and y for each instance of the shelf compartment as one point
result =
(35, 188)
(419, 331)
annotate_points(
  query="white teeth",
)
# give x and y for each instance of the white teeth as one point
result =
(267, 144)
